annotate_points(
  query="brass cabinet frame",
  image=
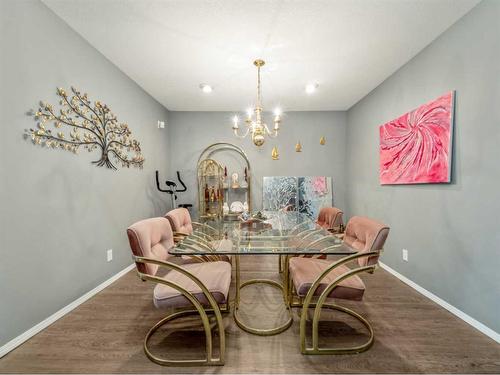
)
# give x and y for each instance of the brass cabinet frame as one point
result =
(199, 309)
(224, 146)
(209, 170)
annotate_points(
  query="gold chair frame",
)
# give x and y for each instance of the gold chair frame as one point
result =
(199, 309)
(306, 303)
(192, 240)
(303, 235)
(179, 236)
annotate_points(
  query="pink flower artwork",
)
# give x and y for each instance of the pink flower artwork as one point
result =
(319, 185)
(416, 147)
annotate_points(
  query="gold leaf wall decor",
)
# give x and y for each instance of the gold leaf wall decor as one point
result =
(88, 125)
(322, 141)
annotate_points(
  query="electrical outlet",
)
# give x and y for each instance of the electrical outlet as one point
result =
(161, 124)
(405, 255)
(109, 255)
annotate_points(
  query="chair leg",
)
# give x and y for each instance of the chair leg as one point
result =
(343, 350)
(208, 360)
(199, 309)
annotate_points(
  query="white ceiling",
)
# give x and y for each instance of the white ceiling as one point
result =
(348, 47)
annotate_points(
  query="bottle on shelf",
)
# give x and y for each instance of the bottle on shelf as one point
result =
(207, 193)
(225, 184)
(212, 194)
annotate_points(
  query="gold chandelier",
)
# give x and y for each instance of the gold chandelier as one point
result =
(254, 125)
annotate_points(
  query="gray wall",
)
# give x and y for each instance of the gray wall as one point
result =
(451, 231)
(59, 213)
(191, 132)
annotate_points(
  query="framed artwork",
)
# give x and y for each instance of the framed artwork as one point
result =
(304, 194)
(416, 147)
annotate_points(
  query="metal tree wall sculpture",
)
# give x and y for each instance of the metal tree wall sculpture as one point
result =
(91, 126)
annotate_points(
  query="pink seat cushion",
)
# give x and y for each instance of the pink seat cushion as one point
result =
(329, 217)
(305, 270)
(180, 220)
(365, 234)
(216, 276)
(150, 238)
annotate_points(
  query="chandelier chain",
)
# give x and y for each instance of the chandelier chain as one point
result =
(258, 87)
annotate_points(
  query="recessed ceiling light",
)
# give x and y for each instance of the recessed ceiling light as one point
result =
(311, 88)
(207, 89)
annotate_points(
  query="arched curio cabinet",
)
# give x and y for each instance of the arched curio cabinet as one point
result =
(210, 189)
(233, 185)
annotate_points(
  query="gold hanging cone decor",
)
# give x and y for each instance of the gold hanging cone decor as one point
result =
(322, 141)
(298, 147)
(274, 154)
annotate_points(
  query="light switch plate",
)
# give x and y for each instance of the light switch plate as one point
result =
(405, 255)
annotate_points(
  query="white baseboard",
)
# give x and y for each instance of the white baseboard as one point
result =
(466, 318)
(15, 342)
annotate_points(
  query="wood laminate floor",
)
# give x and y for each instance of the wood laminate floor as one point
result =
(412, 335)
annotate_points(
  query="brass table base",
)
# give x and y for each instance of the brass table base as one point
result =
(259, 331)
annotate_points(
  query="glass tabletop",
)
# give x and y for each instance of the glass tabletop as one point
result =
(291, 233)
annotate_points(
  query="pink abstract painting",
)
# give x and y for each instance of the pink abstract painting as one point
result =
(416, 147)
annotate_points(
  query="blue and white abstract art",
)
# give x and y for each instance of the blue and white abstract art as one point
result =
(304, 194)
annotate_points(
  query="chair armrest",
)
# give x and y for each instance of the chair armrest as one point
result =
(180, 234)
(335, 230)
(347, 274)
(197, 224)
(192, 243)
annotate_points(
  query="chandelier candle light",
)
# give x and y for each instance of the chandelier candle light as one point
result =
(255, 126)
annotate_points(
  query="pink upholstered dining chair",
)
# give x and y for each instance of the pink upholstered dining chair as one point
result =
(330, 218)
(180, 220)
(321, 279)
(183, 226)
(200, 285)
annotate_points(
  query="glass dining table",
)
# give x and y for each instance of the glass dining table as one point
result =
(282, 234)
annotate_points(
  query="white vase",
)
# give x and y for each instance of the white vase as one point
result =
(245, 206)
(225, 208)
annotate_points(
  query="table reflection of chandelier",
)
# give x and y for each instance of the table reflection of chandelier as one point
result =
(255, 126)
